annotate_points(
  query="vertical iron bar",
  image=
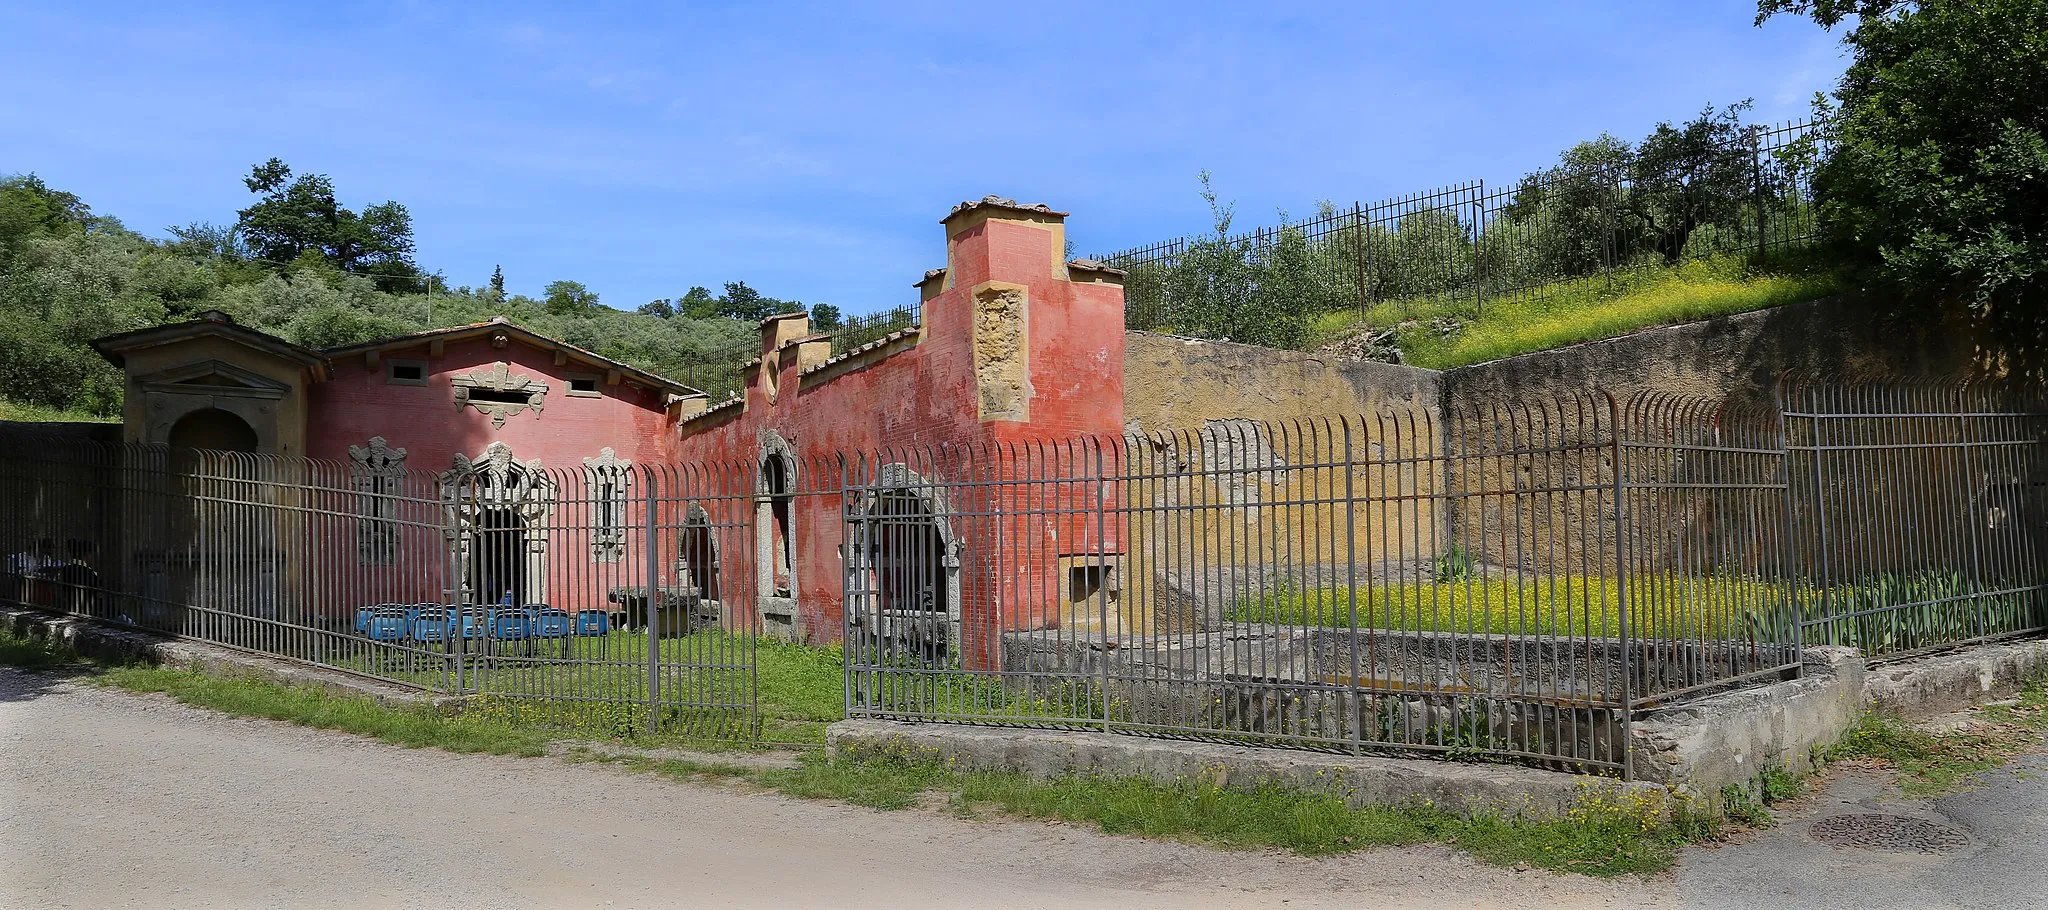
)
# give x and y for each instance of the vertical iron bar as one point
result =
(653, 572)
(1621, 590)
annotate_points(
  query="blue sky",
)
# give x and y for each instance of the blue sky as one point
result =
(811, 150)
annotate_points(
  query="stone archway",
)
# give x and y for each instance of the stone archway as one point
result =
(214, 429)
(697, 555)
(903, 565)
(497, 514)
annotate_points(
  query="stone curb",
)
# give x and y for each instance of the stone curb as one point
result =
(1944, 683)
(1463, 789)
(114, 643)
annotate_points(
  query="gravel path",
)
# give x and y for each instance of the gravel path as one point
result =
(114, 800)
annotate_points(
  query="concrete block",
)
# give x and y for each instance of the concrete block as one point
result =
(1929, 686)
(1706, 743)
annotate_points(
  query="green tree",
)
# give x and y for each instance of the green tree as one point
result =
(743, 303)
(30, 208)
(660, 307)
(569, 298)
(698, 304)
(497, 288)
(826, 317)
(1697, 173)
(298, 215)
(1935, 177)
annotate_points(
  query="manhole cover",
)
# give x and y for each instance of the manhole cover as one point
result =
(1888, 832)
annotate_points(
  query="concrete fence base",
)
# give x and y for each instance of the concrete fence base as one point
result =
(1465, 789)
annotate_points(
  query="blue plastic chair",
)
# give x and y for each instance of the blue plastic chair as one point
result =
(471, 621)
(431, 623)
(511, 625)
(552, 623)
(389, 622)
(593, 622)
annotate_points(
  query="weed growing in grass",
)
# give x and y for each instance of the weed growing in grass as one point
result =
(1933, 762)
(1738, 805)
(1456, 564)
(33, 654)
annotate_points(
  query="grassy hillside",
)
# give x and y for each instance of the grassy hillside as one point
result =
(1441, 333)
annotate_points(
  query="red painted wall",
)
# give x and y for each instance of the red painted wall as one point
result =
(904, 407)
(358, 403)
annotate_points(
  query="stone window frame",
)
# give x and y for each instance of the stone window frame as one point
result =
(596, 385)
(376, 471)
(498, 479)
(391, 371)
(500, 378)
(608, 479)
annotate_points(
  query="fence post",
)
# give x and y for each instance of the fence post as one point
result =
(1621, 587)
(1479, 250)
(653, 601)
(1355, 713)
(1756, 172)
(850, 647)
(1358, 254)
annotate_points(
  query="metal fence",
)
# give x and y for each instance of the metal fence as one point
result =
(560, 596)
(1511, 581)
(1919, 513)
(1459, 248)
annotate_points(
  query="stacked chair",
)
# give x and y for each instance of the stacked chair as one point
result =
(435, 624)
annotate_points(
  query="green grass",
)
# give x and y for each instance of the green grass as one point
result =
(1579, 605)
(798, 689)
(33, 654)
(1605, 835)
(36, 413)
(1932, 762)
(1583, 311)
(310, 707)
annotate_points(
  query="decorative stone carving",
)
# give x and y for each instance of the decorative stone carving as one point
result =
(376, 471)
(500, 393)
(608, 478)
(495, 480)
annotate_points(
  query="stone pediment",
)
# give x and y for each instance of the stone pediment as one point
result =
(213, 377)
(499, 392)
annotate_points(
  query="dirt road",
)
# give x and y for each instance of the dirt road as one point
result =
(111, 800)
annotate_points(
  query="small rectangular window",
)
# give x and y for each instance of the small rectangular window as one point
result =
(406, 372)
(584, 387)
(500, 396)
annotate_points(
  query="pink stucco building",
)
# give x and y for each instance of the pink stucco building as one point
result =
(539, 457)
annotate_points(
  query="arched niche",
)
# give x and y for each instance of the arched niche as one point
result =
(903, 566)
(213, 428)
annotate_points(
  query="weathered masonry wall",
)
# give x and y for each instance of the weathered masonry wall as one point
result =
(1173, 383)
(1181, 383)
(1840, 338)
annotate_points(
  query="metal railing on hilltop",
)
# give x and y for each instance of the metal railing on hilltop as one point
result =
(1474, 243)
